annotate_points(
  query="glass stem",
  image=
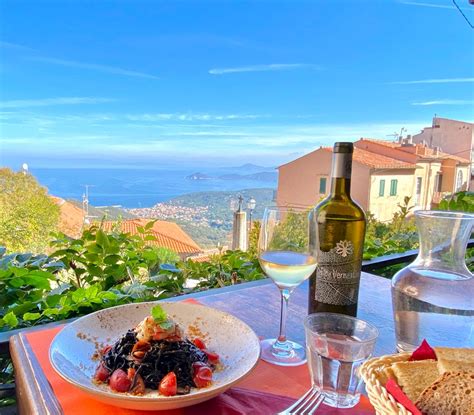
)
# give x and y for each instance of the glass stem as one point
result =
(285, 295)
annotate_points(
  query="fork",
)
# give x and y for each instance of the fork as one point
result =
(306, 405)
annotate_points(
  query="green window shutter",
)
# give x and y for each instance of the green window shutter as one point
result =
(382, 187)
(322, 185)
(393, 187)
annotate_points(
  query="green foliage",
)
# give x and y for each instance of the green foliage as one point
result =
(6, 377)
(397, 236)
(253, 238)
(231, 268)
(27, 214)
(462, 202)
(102, 270)
(291, 233)
(108, 259)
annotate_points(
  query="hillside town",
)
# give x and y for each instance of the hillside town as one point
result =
(426, 167)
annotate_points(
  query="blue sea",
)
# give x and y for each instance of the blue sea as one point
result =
(133, 188)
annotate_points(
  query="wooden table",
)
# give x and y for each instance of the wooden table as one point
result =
(257, 303)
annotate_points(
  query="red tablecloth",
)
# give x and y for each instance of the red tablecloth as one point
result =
(251, 396)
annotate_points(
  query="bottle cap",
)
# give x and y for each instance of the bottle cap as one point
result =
(343, 147)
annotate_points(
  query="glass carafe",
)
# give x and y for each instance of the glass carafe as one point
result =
(433, 297)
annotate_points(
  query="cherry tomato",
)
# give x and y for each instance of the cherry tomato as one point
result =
(213, 357)
(168, 385)
(119, 381)
(102, 373)
(199, 343)
(137, 386)
(202, 375)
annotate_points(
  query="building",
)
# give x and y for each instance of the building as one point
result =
(451, 136)
(167, 235)
(383, 173)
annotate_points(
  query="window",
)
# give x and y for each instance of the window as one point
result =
(459, 181)
(419, 181)
(322, 185)
(438, 182)
(393, 187)
(382, 187)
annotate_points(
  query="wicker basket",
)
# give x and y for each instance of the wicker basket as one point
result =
(375, 379)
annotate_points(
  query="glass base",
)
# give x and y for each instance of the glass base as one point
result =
(340, 400)
(282, 354)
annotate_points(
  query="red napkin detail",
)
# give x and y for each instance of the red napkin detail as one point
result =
(397, 393)
(424, 352)
(238, 401)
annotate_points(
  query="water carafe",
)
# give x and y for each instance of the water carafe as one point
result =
(433, 297)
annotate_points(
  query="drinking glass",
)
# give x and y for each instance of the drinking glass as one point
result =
(288, 259)
(337, 346)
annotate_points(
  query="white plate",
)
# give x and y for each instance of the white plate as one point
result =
(71, 352)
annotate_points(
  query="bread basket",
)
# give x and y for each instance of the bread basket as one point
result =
(374, 377)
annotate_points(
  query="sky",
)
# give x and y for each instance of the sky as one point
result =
(167, 83)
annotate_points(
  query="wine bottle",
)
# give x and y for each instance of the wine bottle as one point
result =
(337, 231)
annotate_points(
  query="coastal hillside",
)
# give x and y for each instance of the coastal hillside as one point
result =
(207, 216)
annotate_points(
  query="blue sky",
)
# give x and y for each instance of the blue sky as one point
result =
(150, 83)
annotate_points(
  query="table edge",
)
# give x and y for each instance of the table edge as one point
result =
(34, 393)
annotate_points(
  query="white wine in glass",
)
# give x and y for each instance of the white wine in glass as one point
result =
(285, 256)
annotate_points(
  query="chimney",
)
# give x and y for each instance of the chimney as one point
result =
(437, 151)
(409, 139)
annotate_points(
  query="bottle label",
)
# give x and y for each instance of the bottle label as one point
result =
(338, 275)
(341, 165)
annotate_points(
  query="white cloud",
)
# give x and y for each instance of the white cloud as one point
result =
(93, 66)
(445, 102)
(44, 102)
(436, 81)
(190, 117)
(263, 68)
(10, 45)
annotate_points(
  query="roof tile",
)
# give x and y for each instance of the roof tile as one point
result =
(168, 234)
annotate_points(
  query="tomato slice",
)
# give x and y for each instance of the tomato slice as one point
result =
(137, 386)
(119, 381)
(199, 343)
(102, 373)
(212, 357)
(202, 375)
(168, 385)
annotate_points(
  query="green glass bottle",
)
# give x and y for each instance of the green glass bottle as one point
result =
(337, 232)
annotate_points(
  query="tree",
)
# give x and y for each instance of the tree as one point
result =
(27, 214)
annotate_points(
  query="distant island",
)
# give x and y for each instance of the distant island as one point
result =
(264, 176)
(252, 168)
(198, 176)
(261, 176)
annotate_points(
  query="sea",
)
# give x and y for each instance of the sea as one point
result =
(136, 188)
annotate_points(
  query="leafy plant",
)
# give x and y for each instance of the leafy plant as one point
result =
(100, 270)
(462, 201)
(27, 214)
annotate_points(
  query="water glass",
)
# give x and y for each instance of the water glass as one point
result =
(337, 345)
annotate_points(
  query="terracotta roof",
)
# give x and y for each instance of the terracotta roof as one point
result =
(377, 161)
(71, 217)
(430, 151)
(168, 234)
(386, 143)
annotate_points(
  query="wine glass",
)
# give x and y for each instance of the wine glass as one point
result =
(287, 257)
